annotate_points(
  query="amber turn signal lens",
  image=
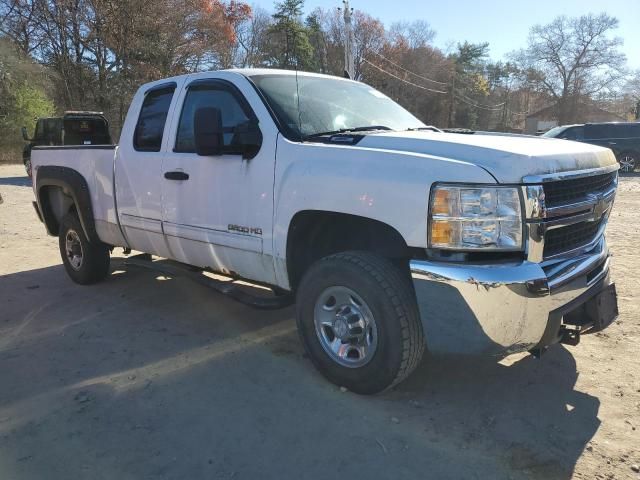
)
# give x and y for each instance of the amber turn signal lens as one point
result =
(441, 233)
(441, 201)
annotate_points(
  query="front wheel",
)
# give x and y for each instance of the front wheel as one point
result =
(359, 322)
(85, 262)
(628, 162)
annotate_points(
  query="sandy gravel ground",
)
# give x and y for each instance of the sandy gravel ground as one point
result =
(149, 377)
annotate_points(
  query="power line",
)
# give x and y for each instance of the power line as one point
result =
(408, 71)
(402, 79)
(469, 99)
(482, 107)
(461, 97)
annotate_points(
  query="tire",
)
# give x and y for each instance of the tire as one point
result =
(629, 162)
(85, 262)
(27, 167)
(393, 343)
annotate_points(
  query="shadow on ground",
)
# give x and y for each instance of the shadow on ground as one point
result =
(146, 376)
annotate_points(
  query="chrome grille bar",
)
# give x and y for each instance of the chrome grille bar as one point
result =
(582, 208)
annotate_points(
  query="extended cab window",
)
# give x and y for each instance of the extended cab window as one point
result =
(153, 115)
(233, 115)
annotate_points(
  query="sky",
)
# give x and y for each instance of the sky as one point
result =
(503, 23)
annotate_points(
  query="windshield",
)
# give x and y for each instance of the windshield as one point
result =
(328, 105)
(554, 132)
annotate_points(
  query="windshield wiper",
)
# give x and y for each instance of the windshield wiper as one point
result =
(428, 127)
(348, 130)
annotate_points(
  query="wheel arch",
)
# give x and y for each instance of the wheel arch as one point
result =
(314, 234)
(59, 190)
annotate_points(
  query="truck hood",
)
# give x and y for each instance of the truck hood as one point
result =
(508, 158)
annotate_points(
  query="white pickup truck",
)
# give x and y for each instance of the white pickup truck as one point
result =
(392, 235)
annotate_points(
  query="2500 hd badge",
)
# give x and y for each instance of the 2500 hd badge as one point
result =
(241, 229)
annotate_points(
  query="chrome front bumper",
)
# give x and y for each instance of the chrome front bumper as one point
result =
(502, 308)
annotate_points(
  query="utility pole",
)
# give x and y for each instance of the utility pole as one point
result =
(349, 41)
(452, 99)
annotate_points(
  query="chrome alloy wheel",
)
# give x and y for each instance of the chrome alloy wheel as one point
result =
(345, 327)
(627, 163)
(73, 249)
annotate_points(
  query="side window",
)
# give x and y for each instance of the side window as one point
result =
(603, 131)
(52, 131)
(39, 133)
(597, 132)
(573, 133)
(233, 115)
(153, 115)
(630, 131)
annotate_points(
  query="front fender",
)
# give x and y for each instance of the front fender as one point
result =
(388, 186)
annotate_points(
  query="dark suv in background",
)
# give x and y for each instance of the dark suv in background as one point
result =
(73, 128)
(621, 137)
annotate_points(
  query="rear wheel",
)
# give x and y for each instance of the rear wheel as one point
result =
(85, 262)
(628, 162)
(358, 319)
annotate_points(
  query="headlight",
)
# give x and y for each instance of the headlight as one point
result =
(475, 218)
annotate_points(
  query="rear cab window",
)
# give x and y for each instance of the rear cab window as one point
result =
(86, 130)
(152, 119)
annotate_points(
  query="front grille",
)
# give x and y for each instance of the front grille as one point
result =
(564, 192)
(568, 238)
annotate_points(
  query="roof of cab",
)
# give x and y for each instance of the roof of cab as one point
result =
(251, 72)
(246, 72)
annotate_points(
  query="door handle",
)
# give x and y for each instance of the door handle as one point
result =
(176, 175)
(612, 143)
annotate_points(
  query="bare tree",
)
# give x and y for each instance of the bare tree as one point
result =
(417, 33)
(632, 90)
(252, 36)
(633, 85)
(576, 58)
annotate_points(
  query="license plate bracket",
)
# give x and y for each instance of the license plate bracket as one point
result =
(602, 309)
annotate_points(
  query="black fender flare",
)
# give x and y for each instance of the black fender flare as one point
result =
(72, 184)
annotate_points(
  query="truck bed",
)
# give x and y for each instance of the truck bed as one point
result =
(96, 164)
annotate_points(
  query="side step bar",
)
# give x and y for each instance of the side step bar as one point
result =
(228, 288)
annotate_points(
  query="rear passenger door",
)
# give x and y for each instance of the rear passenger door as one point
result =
(138, 169)
(630, 139)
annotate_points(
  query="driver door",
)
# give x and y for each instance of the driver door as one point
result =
(217, 210)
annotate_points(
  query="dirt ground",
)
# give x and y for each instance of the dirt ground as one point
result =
(150, 377)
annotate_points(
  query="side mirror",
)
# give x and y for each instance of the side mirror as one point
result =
(207, 131)
(249, 137)
(25, 135)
